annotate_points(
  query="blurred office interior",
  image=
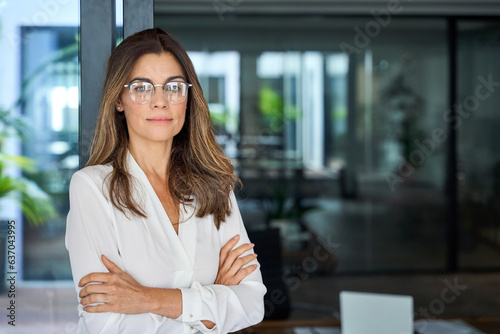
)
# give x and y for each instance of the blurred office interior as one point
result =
(364, 132)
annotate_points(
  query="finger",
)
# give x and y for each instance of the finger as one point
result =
(110, 265)
(93, 278)
(231, 243)
(94, 288)
(228, 280)
(236, 253)
(244, 273)
(233, 255)
(97, 308)
(94, 298)
(227, 248)
(240, 263)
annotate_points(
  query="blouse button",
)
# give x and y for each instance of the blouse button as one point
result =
(191, 328)
(190, 315)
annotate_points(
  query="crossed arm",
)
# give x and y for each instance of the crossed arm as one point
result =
(118, 292)
(121, 299)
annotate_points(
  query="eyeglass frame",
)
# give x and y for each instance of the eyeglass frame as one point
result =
(154, 90)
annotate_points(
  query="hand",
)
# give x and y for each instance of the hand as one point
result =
(118, 291)
(231, 270)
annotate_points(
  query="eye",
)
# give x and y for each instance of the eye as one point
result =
(174, 87)
(142, 87)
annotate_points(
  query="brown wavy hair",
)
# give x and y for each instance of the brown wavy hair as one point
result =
(198, 167)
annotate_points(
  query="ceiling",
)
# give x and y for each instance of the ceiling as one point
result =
(328, 7)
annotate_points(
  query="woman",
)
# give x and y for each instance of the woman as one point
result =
(155, 238)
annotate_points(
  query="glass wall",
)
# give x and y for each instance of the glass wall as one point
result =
(40, 92)
(50, 71)
(339, 133)
(354, 123)
(477, 122)
(39, 103)
(218, 73)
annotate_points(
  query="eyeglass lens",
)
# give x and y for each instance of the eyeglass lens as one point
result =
(142, 92)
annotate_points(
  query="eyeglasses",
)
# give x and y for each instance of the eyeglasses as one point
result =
(142, 92)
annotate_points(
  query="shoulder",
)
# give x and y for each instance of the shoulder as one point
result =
(97, 174)
(92, 176)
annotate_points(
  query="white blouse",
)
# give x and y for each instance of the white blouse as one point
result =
(152, 252)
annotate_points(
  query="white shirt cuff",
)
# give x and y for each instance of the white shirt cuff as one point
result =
(192, 306)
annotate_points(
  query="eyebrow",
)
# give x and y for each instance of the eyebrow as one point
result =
(168, 79)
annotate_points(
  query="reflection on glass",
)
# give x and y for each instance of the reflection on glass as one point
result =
(219, 76)
(477, 123)
(40, 84)
(396, 170)
(337, 66)
(337, 143)
(50, 102)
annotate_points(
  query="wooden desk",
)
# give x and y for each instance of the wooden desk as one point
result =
(489, 325)
(287, 326)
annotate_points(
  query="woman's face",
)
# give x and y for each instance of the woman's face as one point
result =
(158, 120)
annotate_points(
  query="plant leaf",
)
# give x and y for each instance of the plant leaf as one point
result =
(35, 204)
(17, 123)
(24, 163)
(8, 185)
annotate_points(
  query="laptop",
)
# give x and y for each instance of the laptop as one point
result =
(375, 313)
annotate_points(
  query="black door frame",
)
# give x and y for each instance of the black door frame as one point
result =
(97, 40)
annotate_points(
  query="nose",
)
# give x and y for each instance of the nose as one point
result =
(158, 100)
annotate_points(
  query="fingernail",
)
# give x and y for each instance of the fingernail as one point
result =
(236, 237)
(252, 245)
(255, 255)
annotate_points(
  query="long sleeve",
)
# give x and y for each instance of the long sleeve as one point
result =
(155, 256)
(231, 308)
(90, 233)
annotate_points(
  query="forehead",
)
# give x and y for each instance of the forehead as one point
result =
(156, 66)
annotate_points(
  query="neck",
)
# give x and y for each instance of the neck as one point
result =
(153, 159)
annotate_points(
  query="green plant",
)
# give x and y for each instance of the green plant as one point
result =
(404, 109)
(34, 203)
(271, 108)
(282, 203)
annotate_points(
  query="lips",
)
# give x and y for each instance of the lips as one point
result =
(159, 120)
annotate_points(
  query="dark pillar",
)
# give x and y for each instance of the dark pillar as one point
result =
(97, 26)
(137, 15)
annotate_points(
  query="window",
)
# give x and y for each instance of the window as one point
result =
(40, 79)
(50, 102)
